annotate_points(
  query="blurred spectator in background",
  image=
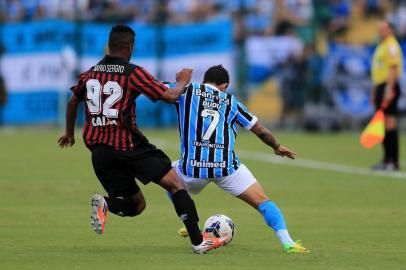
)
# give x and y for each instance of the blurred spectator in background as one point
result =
(340, 11)
(15, 11)
(268, 53)
(30, 9)
(399, 15)
(297, 12)
(321, 10)
(60, 8)
(313, 82)
(302, 18)
(103, 11)
(180, 10)
(3, 11)
(259, 18)
(375, 7)
(128, 10)
(292, 73)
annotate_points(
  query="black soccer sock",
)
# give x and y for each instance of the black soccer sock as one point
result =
(386, 147)
(392, 137)
(395, 146)
(186, 210)
(122, 207)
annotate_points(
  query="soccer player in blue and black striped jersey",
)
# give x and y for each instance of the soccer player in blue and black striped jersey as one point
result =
(208, 120)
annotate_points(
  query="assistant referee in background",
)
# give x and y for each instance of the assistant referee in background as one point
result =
(386, 70)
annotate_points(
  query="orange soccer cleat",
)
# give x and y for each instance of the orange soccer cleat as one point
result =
(99, 213)
(208, 244)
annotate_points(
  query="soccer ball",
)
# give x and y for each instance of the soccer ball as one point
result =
(220, 226)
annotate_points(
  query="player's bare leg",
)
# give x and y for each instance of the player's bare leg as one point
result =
(171, 182)
(256, 197)
(186, 210)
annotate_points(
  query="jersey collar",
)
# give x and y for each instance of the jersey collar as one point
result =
(212, 86)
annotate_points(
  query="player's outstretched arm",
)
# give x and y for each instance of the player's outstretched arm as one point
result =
(266, 136)
(68, 139)
(183, 77)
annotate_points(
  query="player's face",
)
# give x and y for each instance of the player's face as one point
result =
(383, 29)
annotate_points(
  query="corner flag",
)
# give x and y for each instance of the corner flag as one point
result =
(374, 132)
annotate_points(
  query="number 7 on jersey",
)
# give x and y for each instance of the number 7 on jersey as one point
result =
(215, 121)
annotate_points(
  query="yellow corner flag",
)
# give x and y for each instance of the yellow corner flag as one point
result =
(374, 133)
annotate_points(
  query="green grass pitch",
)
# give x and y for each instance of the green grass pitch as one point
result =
(348, 220)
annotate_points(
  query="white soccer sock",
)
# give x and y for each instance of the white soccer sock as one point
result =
(284, 237)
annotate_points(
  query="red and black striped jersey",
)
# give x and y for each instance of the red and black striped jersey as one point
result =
(109, 90)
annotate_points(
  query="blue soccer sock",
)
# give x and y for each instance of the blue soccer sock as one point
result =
(274, 218)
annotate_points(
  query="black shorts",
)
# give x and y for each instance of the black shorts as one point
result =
(392, 108)
(116, 169)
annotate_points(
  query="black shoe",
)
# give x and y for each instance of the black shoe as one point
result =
(391, 166)
(379, 167)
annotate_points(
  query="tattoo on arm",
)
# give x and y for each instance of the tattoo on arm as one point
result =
(265, 135)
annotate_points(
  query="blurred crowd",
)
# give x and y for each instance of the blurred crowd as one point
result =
(290, 26)
(260, 17)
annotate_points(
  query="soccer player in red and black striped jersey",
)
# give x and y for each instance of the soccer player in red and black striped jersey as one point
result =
(120, 152)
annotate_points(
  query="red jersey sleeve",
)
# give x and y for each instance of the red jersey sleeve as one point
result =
(79, 90)
(140, 80)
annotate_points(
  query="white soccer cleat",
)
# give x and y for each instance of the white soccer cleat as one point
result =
(208, 244)
(99, 213)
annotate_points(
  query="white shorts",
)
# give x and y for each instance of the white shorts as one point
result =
(235, 184)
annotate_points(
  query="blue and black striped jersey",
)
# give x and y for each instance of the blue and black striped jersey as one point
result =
(208, 121)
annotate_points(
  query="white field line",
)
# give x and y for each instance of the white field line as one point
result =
(317, 165)
(299, 162)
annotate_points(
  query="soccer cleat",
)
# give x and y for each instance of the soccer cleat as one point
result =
(392, 167)
(381, 166)
(386, 166)
(296, 247)
(183, 232)
(208, 244)
(99, 213)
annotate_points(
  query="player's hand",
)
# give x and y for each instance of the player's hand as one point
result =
(184, 76)
(66, 140)
(285, 152)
